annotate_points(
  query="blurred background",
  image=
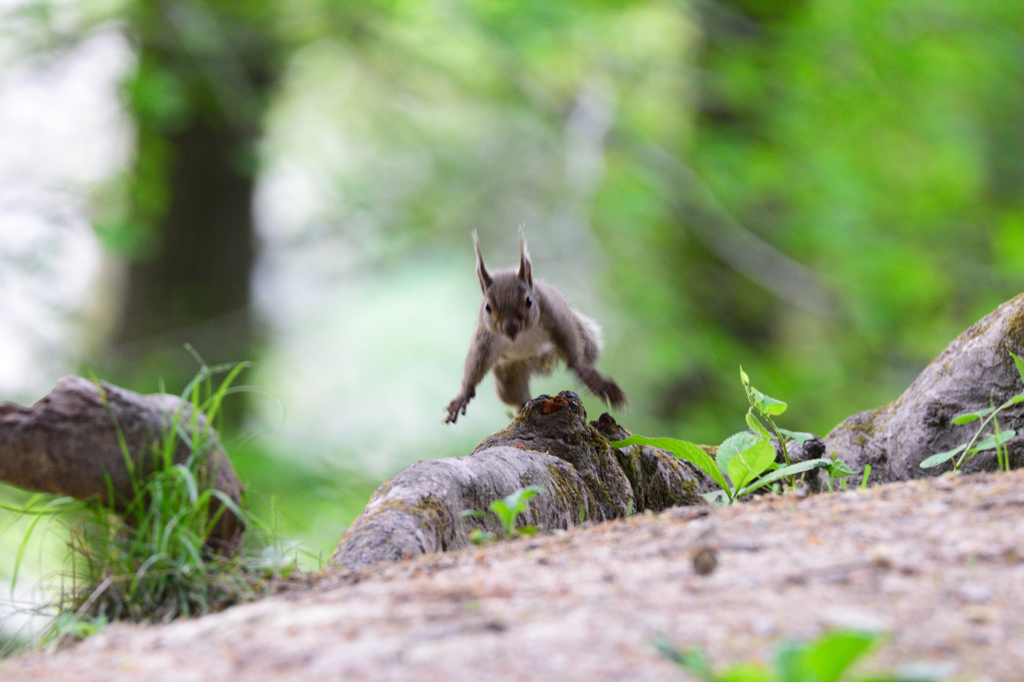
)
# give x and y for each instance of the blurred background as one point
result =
(824, 192)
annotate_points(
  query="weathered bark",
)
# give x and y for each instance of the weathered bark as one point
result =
(974, 372)
(549, 444)
(68, 443)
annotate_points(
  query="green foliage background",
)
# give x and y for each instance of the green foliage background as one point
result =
(875, 144)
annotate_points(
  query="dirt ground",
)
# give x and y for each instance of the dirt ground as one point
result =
(937, 564)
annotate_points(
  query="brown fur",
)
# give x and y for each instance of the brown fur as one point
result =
(525, 328)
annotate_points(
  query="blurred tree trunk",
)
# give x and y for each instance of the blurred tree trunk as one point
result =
(199, 271)
(193, 285)
(205, 72)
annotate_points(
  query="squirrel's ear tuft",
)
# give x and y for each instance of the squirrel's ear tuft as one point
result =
(525, 267)
(481, 269)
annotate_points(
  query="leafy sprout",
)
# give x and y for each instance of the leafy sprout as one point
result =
(829, 658)
(745, 461)
(507, 510)
(996, 441)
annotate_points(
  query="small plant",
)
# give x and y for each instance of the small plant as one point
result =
(825, 659)
(147, 558)
(745, 461)
(507, 510)
(996, 441)
(867, 475)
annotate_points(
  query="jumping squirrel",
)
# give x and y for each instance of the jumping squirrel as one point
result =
(525, 328)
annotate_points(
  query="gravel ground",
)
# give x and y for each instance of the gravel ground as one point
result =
(937, 564)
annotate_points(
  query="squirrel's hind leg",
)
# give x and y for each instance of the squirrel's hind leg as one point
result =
(512, 381)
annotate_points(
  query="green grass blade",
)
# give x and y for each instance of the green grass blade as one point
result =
(1019, 364)
(994, 441)
(21, 553)
(212, 406)
(789, 470)
(189, 479)
(229, 504)
(167, 532)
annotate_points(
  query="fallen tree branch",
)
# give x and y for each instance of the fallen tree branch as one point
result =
(973, 372)
(549, 444)
(70, 443)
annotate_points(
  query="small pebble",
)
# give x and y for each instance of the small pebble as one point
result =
(705, 560)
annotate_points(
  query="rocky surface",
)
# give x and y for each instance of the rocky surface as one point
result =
(975, 372)
(937, 563)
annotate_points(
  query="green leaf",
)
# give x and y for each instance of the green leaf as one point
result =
(755, 423)
(1019, 398)
(466, 513)
(478, 536)
(747, 671)
(837, 468)
(683, 450)
(994, 441)
(969, 417)
(938, 458)
(509, 508)
(744, 378)
(772, 407)
(789, 662)
(521, 496)
(732, 446)
(833, 653)
(689, 659)
(1019, 363)
(756, 397)
(782, 472)
(751, 463)
(504, 512)
(799, 436)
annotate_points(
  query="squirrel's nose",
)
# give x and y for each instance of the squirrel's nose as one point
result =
(511, 329)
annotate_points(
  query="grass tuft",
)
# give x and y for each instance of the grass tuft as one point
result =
(149, 558)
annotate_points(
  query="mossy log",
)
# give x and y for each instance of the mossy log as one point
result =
(549, 444)
(974, 372)
(70, 443)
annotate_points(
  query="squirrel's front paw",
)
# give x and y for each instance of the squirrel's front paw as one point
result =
(456, 406)
(613, 395)
(604, 388)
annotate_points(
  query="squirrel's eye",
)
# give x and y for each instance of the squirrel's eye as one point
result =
(529, 301)
(487, 307)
